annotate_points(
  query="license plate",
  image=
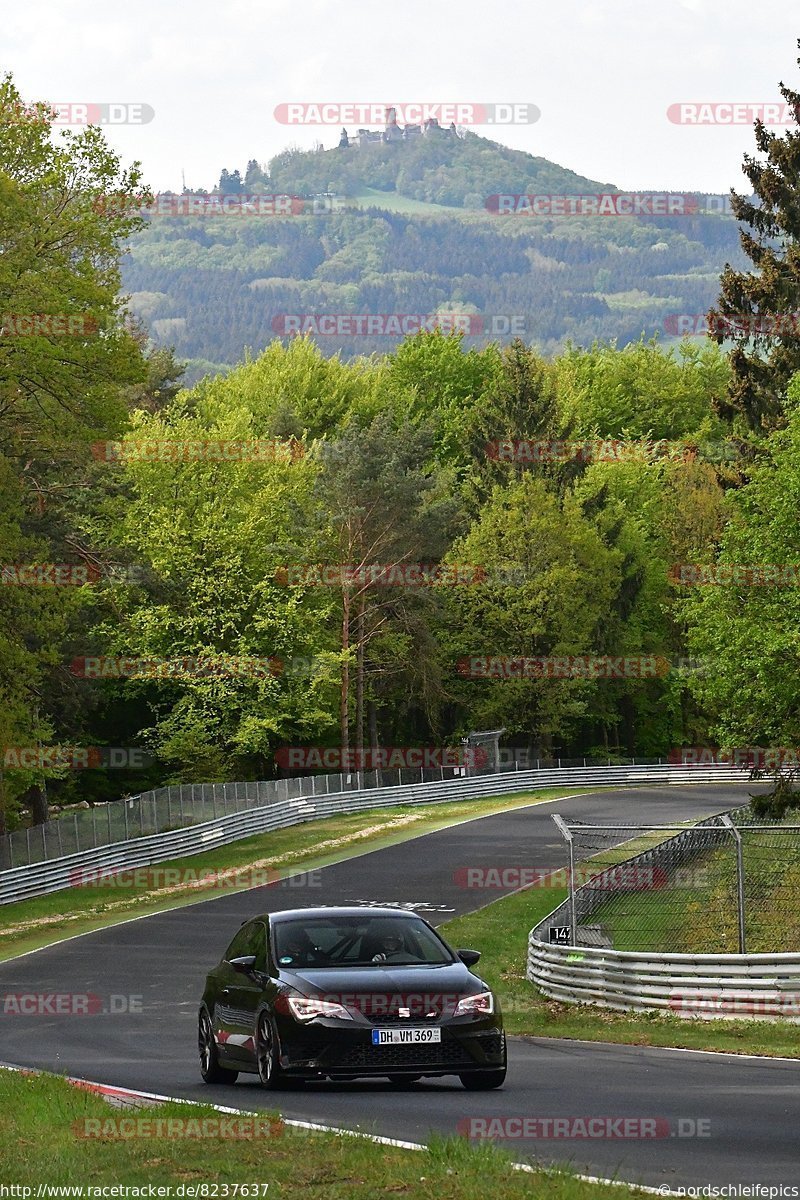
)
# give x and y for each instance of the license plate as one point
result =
(405, 1037)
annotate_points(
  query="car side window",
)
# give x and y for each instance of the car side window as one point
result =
(241, 943)
(257, 944)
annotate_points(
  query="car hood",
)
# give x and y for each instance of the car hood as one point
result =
(399, 984)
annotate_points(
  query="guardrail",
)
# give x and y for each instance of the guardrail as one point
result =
(688, 985)
(53, 875)
(85, 827)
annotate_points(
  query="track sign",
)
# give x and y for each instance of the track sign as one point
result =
(559, 935)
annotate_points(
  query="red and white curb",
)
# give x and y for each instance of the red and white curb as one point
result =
(120, 1097)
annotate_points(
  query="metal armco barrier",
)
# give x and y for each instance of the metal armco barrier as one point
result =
(20, 883)
(688, 985)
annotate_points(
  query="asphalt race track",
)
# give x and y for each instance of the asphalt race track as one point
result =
(751, 1106)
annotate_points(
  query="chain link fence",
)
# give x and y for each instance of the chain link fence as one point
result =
(183, 805)
(725, 886)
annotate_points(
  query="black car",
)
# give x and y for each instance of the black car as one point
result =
(344, 992)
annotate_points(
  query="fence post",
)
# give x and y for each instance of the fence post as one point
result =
(566, 833)
(28, 842)
(169, 806)
(108, 810)
(94, 826)
(77, 839)
(125, 804)
(728, 823)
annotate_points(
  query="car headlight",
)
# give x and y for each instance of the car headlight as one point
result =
(475, 1006)
(304, 1009)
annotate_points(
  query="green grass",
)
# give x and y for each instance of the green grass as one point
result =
(43, 1121)
(393, 202)
(500, 932)
(29, 924)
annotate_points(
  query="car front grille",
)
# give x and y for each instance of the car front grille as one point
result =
(448, 1053)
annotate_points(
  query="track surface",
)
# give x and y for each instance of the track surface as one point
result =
(753, 1106)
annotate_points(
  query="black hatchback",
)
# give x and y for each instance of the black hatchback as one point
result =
(340, 993)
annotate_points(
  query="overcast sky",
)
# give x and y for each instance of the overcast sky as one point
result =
(602, 72)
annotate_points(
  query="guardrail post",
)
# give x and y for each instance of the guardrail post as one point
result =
(728, 823)
(567, 834)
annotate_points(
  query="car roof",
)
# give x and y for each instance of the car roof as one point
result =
(351, 910)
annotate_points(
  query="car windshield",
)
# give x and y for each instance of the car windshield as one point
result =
(357, 941)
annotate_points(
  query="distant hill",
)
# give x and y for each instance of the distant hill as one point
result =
(456, 171)
(409, 233)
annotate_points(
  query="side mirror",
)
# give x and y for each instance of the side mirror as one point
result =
(244, 964)
(469, 957)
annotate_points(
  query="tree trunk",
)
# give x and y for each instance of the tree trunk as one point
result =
(5, 860)
(360, 684)
(38, 802)
(373, 724)
(344, 699)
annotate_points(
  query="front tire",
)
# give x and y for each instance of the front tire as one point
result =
(210, 1068)
(269, 1071)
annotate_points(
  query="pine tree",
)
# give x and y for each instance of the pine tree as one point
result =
(758, 310)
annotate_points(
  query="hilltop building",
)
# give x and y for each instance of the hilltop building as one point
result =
(394, 133)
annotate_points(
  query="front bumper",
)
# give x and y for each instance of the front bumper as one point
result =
(341, 1049)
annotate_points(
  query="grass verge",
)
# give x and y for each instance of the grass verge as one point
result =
(44, 1121)
(500, 932)
(29, 924)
